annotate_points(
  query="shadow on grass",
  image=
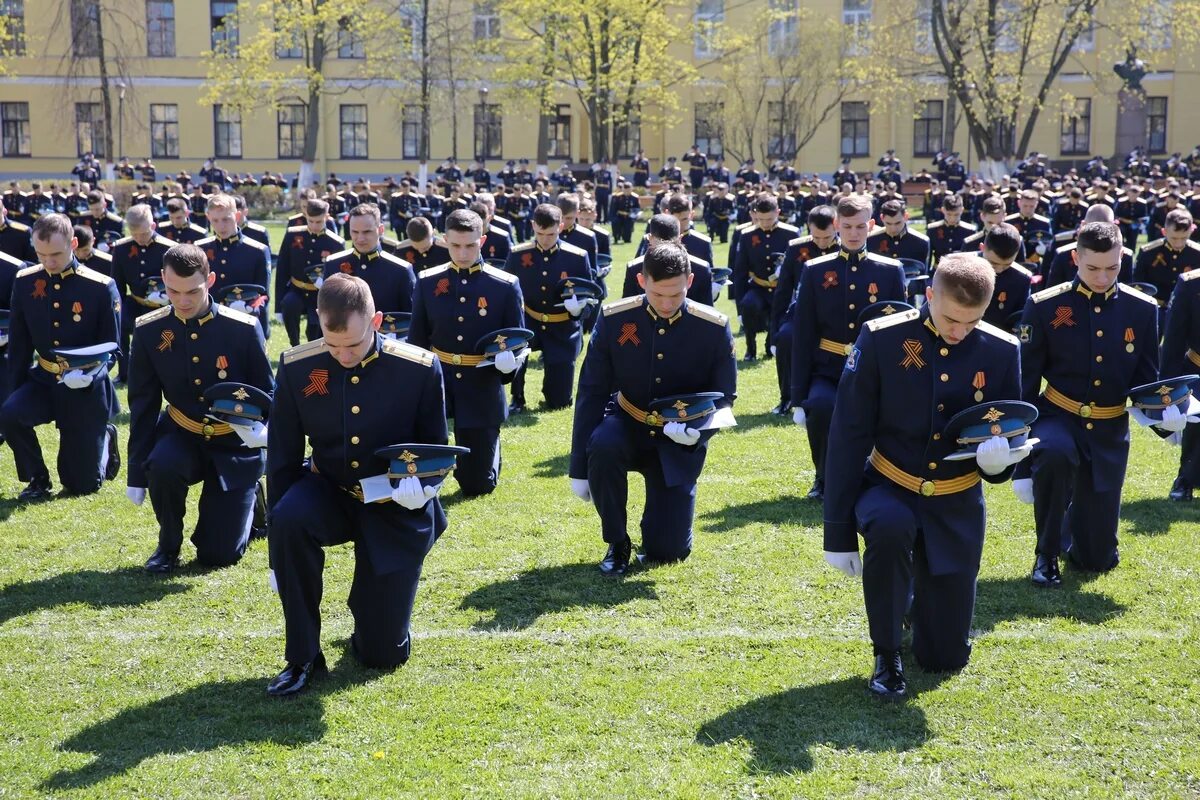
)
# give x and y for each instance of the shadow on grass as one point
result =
(553, 467)
(790, 511)
(203, 718)
(120, 588)
(517, 603)
(1001, 600)
(1153, 516)
(781, 728)
(766, 418)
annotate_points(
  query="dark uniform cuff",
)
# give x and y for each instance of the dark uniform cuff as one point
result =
(841, 537)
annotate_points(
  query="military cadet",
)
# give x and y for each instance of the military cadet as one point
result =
(921, 517)
(1180, 355)
(625, 208)
(422, 248)
(15, 238)
(502, 226)
(718, 208)
(844, 175)
(1131, 210)
(86, 255)
(524, 176)
(991, 213)
(1033, 227)
(1091, 341)
(183, 354)
(233, 257)
(1069, 215)
(9, 267)
(648, 350)
(895, 239)
(508, 175)
(956, 173)
(1013, 281)
(603, 176)
(697, 166)
(586, 219)
(833, 291)
(391, 279)
(540, 265)
(137, 271)
(747, 173)
(641, 169)
(584, 239)
(754, 278)
(303, 247)
(250, 230)
(1161, 262)
(496, 241)
(60, 305)
(665, 228)
(350, 394)
(106, 226)
(458, 305)
(679, 205)
(948, 234)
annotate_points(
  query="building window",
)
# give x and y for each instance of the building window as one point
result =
(354, 131)
(13, 41)
(856, 130)
(782, 30)
(856, 17)
(487, 21)
(927, 128)
(710, 15)
(781, 134)
(227, 132)
(1076, 130)
(160, 28)
(707, 132)
(288, 44)
(85, 28)
(488, 133)
(411, 21)
(164, 130)
(628, 135)
(924, 19)
(411, 133)
(1086, 42)
(224, 25)
(14, 122)
(1156, 124)
(350, 44)
(89, 129)
(1157, 20)
(558, 133)
(1009, 24)
(291, 131)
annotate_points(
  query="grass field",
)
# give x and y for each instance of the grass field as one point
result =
(739, 673)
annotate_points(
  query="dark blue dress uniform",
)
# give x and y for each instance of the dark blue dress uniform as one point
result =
(188, 234)
(641, 171)
(717, 213)
(800, 250)
(16, 240)
(1158, 264)
(696, 243)
(922, 518)
(436, 255)
(556, 333)
(1180, 355)
(1010, 295)
(635, 357)
(496, 244)
(391, 279)
(1063, 269)
(106, 229)
(697, 167)
(625, 207)
(240, 259)
(834, 289)
(1029, 228)
(909, 244)
(101, 262)
(9, 267)
(393, 395)
(257, 233)
(454, 308)
(75, 308)
(753, 286)
(974, 242)
(132, 264)
(295, 296)
(171, 449)
(945, 239)
(1130, 213)
(1090, 349)
(701, 290)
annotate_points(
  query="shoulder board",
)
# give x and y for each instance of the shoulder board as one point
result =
(893, 262)
(254, 226)
(160, 239)
(339, 254)
(522, 246)
(707, 313)
(198, 229)
(697, 234)
(1125, 251)
(389, 241)
(799, 240)
(18, 226)
(919, 235)
(637, 262)
(745, 226)
(606, 232)
(154, 315)
(497, 229)
(499, 273)
(1013, 215)
(205, 240)
(257, 245)
(111, 216)
(968, 225)
(880, 323)
(1190, 275)
(328, 234)
(822, 259)
(303, 351)
(1152, 245)
(409, 352)
(932, 225)
(393, 259)
(1138, 293)
(240, 316)
(123, 240)
(101, 255)
(92, 275)
(624, 304)
(1021, 269)
(977, 236)
(440, 243)
(998, 333)
(429, 273)
(1043, 219)
(783, 226)
(876, 232)
(297, 229)
(567, 247)
(1191, 245)
(405, 243)
(21, 273)
(586, 231)
(1066, 248)
(1053, 291)
(695, 261)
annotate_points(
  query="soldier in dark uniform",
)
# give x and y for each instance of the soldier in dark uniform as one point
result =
(60, 304)
(1069, 215)
(496, 241)
(136, 260)
(718, 209)
(15, 238)
(896, 239)
(233, 257)
(508, 175)
(1063, 268)
(1032, 226)
(1180, 355)
(539, 266)
(754, 280)
(991, 213)
(625, 208)
(302, 247)
(391, 279)
(1131, 210)
(697, 167)
(422, 248)
(948, 234)
(956, 174)
(524, 176)
(457, 304)
(844, 175)
(586, 218)
(719, 173)
(180, 352)
(1013, 281)
(250, 229)
(1091, 341)
(349, 394)
(584, 239)
(921, 517)
(833, 291)
(665, 228)
(88, 256)
(106, 226)
(1161, 262)
(679, 205)
(603, 176)
(646, 348)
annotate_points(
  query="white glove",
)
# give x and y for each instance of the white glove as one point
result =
(411, 494)
(102, 247)
(581, 489)
(772, 349)
(1023, 489)
(279, 317)
(274, 584)
(253, 436)
(849, 563)
(799, 418)
(575, 306)
(77, 379)
(1041, 249)
(506, 362)
(993, 456)
(239, 305)
(1173, 420)
(157, 297)
(319, 282)
(681, 434)
(3, 339)
(136, 494)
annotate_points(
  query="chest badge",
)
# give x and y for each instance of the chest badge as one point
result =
(77, 311)
(629, 334)
(1063, 315)
(443, 287)
(222, 367)
(912, 354)
(482, 303)
(318, 383)
(830, 280)
(1129, 337)
(979, 382)
(872, 292)
(165, 343)
(39, 288)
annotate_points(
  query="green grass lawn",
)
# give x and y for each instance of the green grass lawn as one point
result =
(739, 673)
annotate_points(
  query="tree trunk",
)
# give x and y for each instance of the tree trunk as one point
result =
(312, 118)
(423, 142)
(105, 97)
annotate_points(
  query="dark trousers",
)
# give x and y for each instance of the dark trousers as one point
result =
(603, 195)
(177, 461)
(81, 416)
(622, 229)
(478, 472)
(783, 360)
(296, 307)
(557, 380)
(312, 515)
(755, 308)
(1189, 456)
(719, 229)
(818, 416)
(1068, 510)
(894, 565)
(618, 447)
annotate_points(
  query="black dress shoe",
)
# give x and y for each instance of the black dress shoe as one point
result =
(1045, 571)
(749, 357)
(517, 407)
(1181, 491)
(113, 466)
(616, 561)
(782, 409)
(817, 492)
(888, 681)
(38, 489)
(162, 562)
(767, 356)
(296, 677)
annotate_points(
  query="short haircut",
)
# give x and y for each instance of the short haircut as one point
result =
(465, 221)
(587, 203)
(821, 217)
(315, 207)
(221, 200)
(666, 260)
(765, 204)
(965, 278)
(175, 205)
(1004, 240)
(480, 208)
(419, 229)
(186, 260)
(547, 216)
(1098, 237)
(139, 216)
(663, 226)
(341, 297)
(1178, 219)
(84, 234)
(1098, 212)
(94, 197)
(488, 199)
(852, 205)
(367, 210)
(567, 202)
(239, 202)
(1029, 194)
(891, 208)
(952, 202)
(678, 204)
(992, 204)
(1075, 193)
